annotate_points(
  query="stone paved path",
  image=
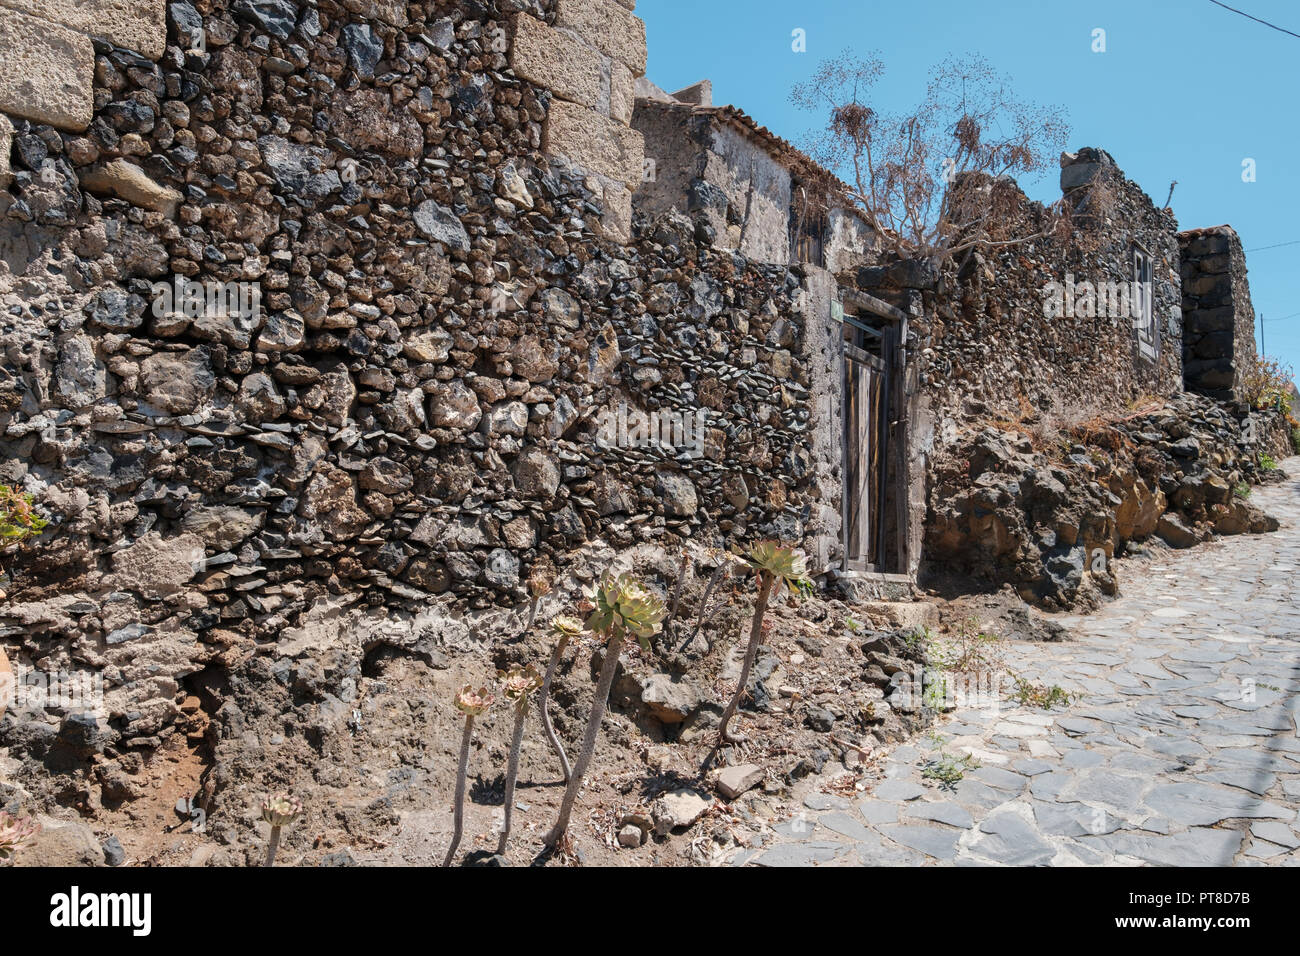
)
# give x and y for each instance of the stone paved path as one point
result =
(1181, 748)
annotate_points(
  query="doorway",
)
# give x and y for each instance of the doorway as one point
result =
(872, 442)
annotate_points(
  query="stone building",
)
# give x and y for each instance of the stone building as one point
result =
(327, 325)
(745, 187)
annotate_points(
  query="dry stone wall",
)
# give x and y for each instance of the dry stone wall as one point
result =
(1219, 320)
(308, 317)
(984, 337)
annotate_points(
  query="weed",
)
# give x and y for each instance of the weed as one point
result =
(969, 650)
(947, 769)
(1241, 489)
(1031, 694)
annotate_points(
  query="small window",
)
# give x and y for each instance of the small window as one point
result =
(1144, 319)
(808, 228)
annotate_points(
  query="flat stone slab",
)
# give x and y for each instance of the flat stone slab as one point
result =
(1275, 832)
(1012, 840)
(878, 811)
(799, 854)
(1002, 779)
(1031, 767)
(940, 811)
(1202, 804)
(898, 790)
(845, 825)
(1199, 846)
(1098, 785)
(938, 842)
(825, 801)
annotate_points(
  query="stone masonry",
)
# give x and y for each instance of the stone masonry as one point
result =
(1219, 321)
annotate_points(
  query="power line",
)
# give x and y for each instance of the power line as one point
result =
(1279, 245)
(1256, 19)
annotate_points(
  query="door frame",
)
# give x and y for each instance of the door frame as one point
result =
(891, 323)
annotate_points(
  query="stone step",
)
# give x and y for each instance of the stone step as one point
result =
(903, 615)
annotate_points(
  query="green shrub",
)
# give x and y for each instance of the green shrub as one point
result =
(18, 518)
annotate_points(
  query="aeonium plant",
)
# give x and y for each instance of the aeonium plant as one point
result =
(15, 833)
(279, 810)
(621, 606)
(516, 685)
(624, 606)
(472, 703)
(774, 565)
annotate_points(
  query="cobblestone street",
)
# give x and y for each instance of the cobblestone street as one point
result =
(1179, 748)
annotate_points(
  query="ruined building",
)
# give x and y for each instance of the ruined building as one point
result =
(322, 324)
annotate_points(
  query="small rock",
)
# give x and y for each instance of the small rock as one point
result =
(678, 809)
(733, 781)
(114, 855)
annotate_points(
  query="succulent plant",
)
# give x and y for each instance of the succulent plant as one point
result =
(775, 564)
(621, 606)
(471, 703)
(15, 832)
(279, 810)
(516, 685)
(540, 581)
(565, 627)
(624, 606)
(782, 564)
(519, 682)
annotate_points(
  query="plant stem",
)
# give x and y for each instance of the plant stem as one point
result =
(677, 590)
(543, 700)
(718, 573)
(272, 846)
(607, 671)
(512, 770)
(751, 652)
(459, 811)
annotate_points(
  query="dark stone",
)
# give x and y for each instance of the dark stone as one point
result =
(364, 49)
(276, 17)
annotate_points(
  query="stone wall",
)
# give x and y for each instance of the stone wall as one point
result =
(1218, 318)
(983, 341)
(589, 55)
(387, 392)
(47, 55)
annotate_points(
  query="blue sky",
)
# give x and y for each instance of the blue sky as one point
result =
(1185, 91)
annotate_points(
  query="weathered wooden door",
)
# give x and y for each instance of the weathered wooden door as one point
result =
(867, 391)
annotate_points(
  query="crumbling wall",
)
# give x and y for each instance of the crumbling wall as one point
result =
(757, 191)
(323, 309)
(985, 344)
(1218, 318)
(1049, 512)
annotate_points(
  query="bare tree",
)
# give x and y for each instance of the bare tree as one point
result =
(934, 182)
